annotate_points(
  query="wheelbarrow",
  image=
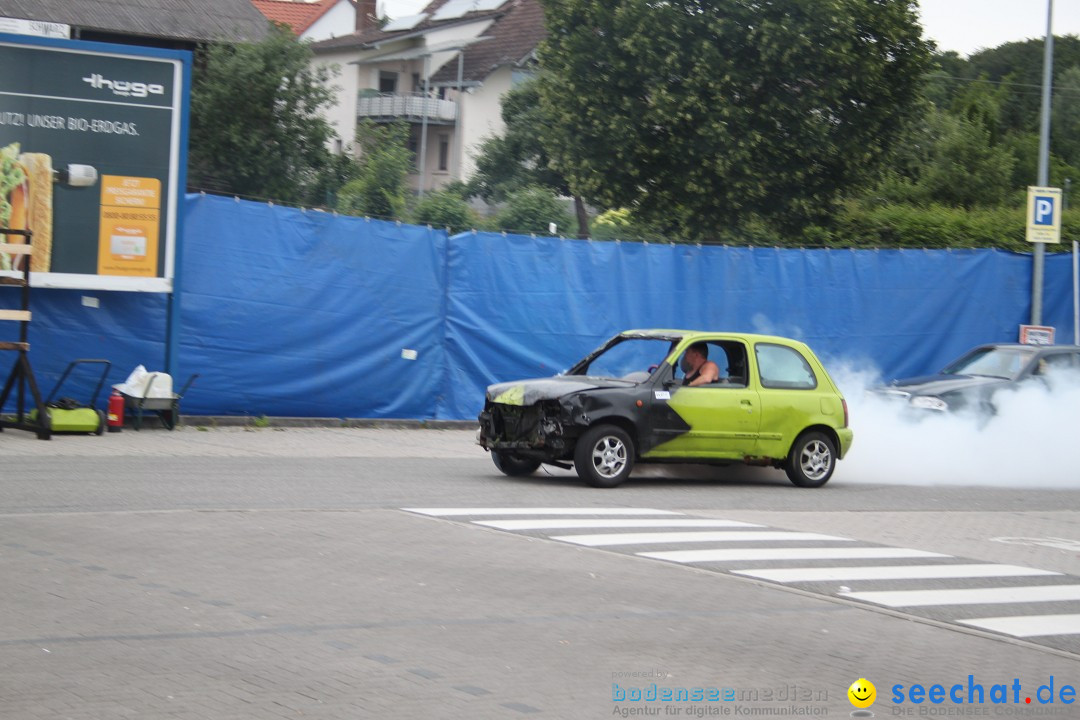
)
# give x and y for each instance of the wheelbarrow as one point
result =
(167, 408)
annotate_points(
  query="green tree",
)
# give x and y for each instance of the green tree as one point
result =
(967, 169)
(1065, 134)
(696, 115)
(519, 158)
(1020, 64)
(531, 210)
(256, 120)
(380, 188)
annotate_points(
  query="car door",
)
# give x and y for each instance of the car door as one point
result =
(715, 421)
(790, 397)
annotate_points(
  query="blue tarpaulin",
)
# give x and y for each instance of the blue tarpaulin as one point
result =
(301, 313)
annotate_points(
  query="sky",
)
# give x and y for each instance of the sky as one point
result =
(961, 25)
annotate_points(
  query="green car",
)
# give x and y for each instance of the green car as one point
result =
(755, 399)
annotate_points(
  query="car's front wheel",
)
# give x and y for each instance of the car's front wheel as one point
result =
(514, 465)
(812, 460)
(604, 456)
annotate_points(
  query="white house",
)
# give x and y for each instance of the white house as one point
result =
(443, 71)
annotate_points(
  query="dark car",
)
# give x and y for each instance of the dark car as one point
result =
(970, 383)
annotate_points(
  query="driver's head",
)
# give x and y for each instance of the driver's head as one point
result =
(696, 354)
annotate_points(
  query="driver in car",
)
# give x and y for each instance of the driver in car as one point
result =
(697, 366)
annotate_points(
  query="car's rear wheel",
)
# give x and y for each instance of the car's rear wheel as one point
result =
(604, 456)
(812, 460)
(514, 465)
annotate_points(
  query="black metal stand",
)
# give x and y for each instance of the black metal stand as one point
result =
(21, 378)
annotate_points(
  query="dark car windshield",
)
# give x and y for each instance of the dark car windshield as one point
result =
(1004, 363)
(629, 358)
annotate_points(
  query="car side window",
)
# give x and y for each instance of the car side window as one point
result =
(1055, 362)
(730, 359)
(783, 368)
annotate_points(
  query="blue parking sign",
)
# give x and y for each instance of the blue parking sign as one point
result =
(1044, 215)
(1044, 210)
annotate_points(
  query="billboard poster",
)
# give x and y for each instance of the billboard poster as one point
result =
(92, 158)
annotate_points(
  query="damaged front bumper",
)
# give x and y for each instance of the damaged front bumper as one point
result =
(544, 430)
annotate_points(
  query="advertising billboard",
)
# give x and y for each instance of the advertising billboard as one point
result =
(92, 160)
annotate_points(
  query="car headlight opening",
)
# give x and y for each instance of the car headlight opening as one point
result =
(929, 402)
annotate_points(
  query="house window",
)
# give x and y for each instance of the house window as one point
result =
(417, 83)
(387, 82)
(414, 148)
(444, 152)
(338, 148)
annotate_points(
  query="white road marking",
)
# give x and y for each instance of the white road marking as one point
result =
(892, 572)
(448, 512)
(969, 596)
(1029, 625)
(756, 554)
(692, 537)
(562, 524)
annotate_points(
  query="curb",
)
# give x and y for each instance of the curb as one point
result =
(212, 421)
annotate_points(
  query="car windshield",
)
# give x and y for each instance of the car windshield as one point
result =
(631, 359)
(1005, 363)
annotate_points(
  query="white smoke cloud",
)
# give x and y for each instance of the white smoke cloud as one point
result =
(1032, 441)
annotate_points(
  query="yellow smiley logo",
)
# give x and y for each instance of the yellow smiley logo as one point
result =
(862, 693)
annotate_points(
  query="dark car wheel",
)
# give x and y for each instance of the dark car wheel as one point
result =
(514, 465)
(812, 460)
(604, 456)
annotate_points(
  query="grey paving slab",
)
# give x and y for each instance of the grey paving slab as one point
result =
(257, 574)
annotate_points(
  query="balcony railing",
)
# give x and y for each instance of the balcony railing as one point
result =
(405, 106)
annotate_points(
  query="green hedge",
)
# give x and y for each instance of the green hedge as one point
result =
(934, 227)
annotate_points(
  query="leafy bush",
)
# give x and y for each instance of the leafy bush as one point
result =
(381, 186)
(531, 209)
(935, 226)
(445, 208)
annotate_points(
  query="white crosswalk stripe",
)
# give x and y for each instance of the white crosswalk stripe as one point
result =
(958, 589)
(969, 596)
(563, 524)
(1029, 625)
(607, 539)
(758, 554)
(892, 572)
(450, 512)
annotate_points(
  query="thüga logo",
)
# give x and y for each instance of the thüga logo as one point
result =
(124, 88)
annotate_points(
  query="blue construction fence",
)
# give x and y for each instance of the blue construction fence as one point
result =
(287, 312)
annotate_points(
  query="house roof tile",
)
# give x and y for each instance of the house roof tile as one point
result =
(198, 20)
(513, 37)
(297, 15)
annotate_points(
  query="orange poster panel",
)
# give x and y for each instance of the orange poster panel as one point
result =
(130, 217)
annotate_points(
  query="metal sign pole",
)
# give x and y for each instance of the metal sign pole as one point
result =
(1044, 163)
(424, 126)
(1076, 294)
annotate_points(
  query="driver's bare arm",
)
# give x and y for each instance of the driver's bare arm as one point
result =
(710, 373)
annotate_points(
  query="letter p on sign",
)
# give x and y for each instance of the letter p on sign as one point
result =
(1044, 210)
(1044, 215)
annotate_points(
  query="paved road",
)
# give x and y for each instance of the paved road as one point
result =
(356, 573)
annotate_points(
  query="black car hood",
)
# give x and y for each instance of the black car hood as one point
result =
(529, 392)
(943, 384)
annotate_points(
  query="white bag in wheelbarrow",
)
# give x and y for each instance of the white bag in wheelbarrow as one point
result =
(143, 384)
